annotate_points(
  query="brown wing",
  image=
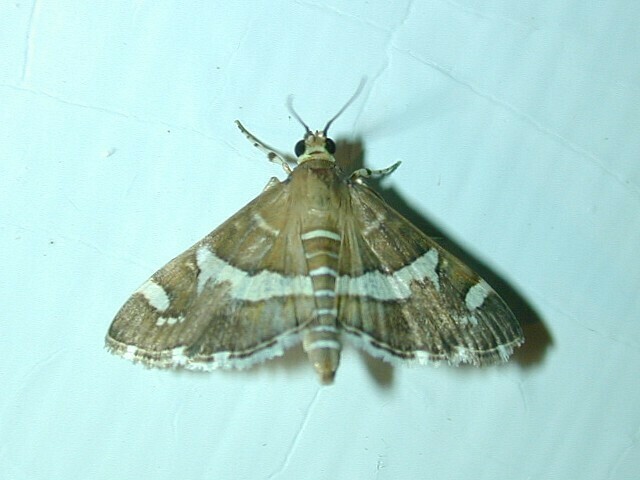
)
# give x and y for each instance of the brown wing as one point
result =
(237, 297)
(402, 296)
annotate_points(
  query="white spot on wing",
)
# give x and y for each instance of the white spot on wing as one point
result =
(262, 223)
(130, 352)
(371, 227)
(504, 351)
(476, 295)
(155, 295)
(460, 354)
(466, 319)
(169, 320)
(178, 357)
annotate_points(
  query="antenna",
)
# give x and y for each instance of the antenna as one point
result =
(326, 128)
(297, 117)
(363, 80)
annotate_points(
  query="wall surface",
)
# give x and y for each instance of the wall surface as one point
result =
(517, 125)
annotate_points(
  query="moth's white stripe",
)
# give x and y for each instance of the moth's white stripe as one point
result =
(323, 271)
(326, 311)
(365, 342)
(476, 295)
(320, 252)
(324, 328)
(424, 267)
(324, 293)
(262, 223)
(458, 355)
(261, 286)
(322, 234)
(265, 285)
(230, 360)
(155, 295)
(333, 344)
(395, 286)
(169, 320)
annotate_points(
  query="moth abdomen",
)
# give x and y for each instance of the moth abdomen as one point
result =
(321, 244)
(322, 345)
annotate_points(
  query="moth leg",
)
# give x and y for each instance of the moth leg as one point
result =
(368, 173)
(271, 155)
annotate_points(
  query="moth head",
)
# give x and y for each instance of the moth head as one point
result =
(315, 146)
(318, 146)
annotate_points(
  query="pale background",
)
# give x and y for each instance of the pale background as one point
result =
(518, 127)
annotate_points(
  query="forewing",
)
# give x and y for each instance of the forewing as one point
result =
(402, 296)
(237, 297)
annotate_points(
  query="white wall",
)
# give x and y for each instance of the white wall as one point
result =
(517, 124)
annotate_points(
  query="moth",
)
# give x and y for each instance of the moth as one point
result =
(318, 258)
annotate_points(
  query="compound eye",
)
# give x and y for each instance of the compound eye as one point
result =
(330, 146)
(300, 148)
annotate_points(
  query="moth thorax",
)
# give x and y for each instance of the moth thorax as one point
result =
(319, 188)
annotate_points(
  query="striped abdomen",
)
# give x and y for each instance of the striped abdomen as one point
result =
(321, 340)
